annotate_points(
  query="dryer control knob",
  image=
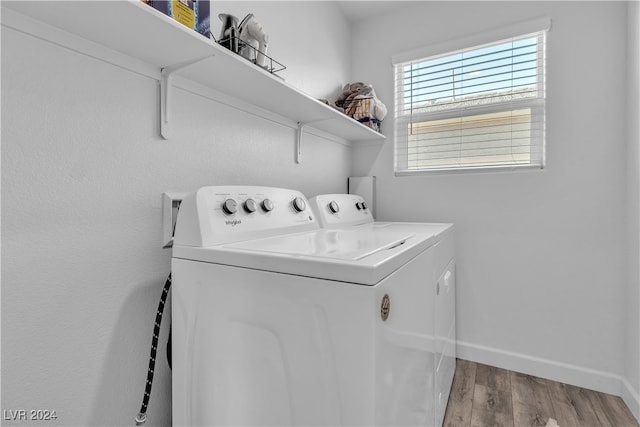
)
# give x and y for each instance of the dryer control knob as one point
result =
(250, 206)
(364, 205)
(359, 206)
(230, 206)
(298, 204)
(333, 207)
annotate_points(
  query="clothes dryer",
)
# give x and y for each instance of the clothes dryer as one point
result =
(350, 211)
(276, 321)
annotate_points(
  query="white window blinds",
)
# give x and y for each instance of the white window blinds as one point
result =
(481, 107)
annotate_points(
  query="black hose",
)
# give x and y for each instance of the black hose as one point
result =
(141, 418)
(169, 347)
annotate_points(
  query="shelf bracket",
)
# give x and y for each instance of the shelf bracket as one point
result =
(299, 142)
(166, 89)
(299, 131)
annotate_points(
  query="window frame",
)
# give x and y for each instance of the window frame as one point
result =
(537, 105)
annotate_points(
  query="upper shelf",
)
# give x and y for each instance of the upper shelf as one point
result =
(139, 31)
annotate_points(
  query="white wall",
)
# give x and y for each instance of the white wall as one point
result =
(631, 392)
(541, 260)
(83, 170)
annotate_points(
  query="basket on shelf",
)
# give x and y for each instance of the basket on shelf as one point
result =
(362, 110)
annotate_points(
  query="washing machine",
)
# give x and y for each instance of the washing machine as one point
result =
(277, 321)
(350, 211)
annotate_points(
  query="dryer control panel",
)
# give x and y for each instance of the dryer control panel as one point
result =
(338, 210)
(223, 214)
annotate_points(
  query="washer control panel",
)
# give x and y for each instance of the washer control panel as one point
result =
(338, 210)
(223, 214)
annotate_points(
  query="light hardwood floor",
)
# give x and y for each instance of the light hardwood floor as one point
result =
(483, 395)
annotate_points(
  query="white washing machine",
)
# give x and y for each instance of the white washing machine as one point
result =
(350, 211)
(276, 321)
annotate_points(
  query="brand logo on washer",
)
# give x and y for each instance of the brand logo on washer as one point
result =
(385, 307)
(233, 222)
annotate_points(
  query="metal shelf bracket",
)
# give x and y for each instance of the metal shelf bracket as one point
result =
(166, 89)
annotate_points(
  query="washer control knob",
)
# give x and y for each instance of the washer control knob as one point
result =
(267, 205)
(364, 205)
(358, 206)
(298, 204)
(249, 205)
(333, 207)
(230, 206)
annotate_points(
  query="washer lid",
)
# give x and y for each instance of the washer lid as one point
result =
(347, 245)
(354, 255)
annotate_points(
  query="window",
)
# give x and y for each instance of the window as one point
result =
(475, 108)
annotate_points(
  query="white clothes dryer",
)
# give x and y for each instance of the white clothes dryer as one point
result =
(276, 321)
(350, 211)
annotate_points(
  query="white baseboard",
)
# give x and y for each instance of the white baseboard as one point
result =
(631, 397)
(544, 368)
